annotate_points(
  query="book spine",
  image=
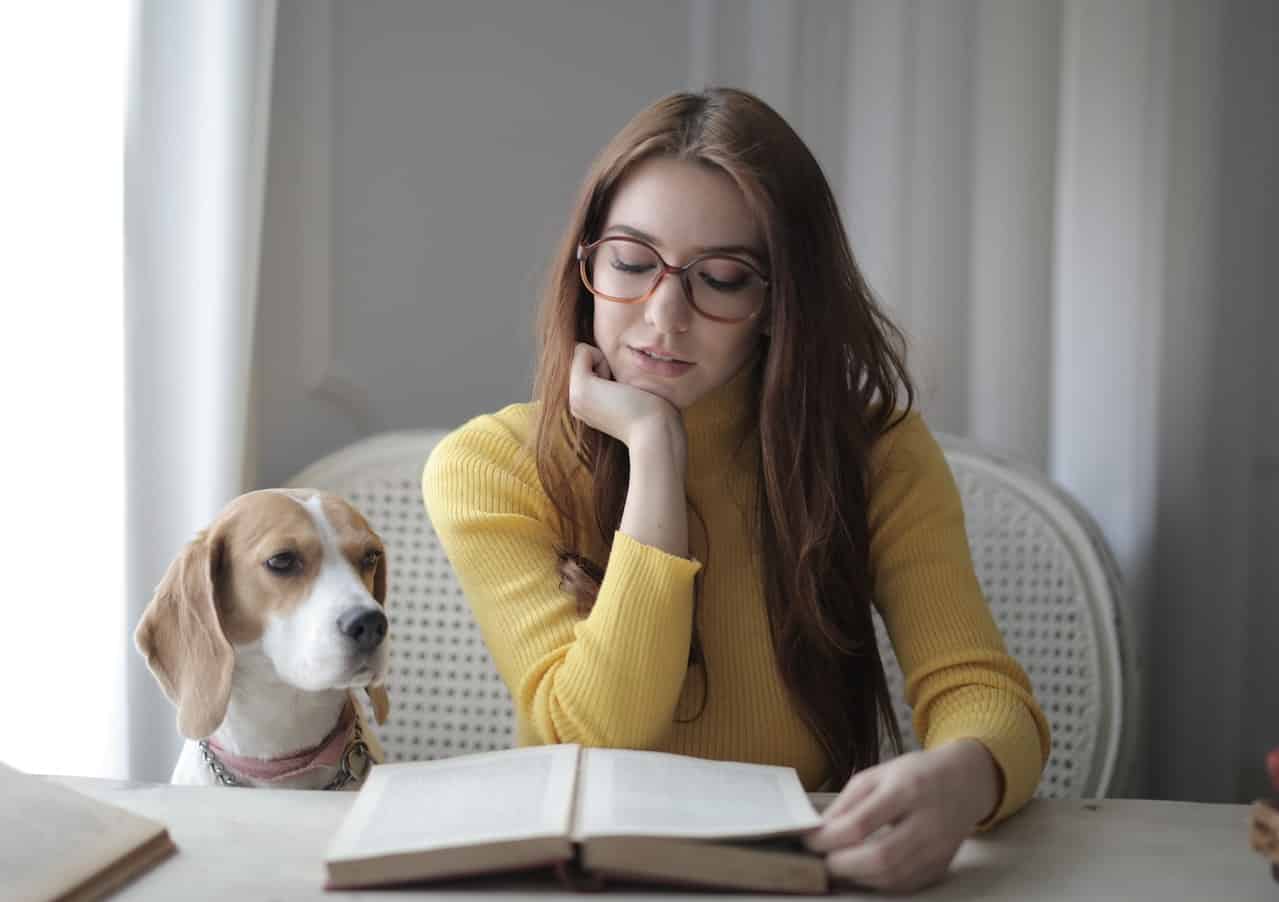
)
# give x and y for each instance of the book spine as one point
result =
(573, 876)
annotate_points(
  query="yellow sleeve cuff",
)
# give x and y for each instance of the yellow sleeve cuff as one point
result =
(635, 569)
(1017, 741)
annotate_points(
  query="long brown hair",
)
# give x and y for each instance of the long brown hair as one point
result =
(828, 385)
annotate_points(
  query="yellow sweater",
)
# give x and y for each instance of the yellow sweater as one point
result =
(617, 677)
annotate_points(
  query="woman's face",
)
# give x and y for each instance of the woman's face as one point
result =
(683, 209)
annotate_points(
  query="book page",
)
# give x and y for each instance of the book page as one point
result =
(633, 793)
(473, 799)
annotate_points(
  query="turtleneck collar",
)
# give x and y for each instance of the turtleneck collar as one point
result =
(717, 422)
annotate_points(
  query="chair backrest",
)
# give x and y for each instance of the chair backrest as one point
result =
(1053, 589)
(1050, 581)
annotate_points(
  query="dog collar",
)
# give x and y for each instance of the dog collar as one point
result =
(344, 748)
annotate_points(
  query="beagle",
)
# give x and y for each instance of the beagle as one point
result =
(261, 630)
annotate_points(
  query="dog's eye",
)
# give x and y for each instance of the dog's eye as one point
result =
(370, 559)
(284, 562)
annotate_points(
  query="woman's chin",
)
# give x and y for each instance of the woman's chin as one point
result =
(655, 387)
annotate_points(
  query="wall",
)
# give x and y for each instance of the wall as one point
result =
(424, 160)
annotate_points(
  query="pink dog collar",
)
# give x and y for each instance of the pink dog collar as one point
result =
(327, 754)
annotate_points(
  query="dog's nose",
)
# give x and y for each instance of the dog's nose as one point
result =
(366, 628)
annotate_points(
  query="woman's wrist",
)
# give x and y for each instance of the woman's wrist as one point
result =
(658, 443)
(981, 775)
(655, 513)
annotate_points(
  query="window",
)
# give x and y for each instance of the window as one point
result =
(65, 638)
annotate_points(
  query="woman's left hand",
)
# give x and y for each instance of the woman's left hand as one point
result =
(926, 803)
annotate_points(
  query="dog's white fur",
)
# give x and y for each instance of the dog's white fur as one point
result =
(289, 683)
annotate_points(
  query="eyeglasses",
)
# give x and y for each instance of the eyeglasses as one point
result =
(720, 287)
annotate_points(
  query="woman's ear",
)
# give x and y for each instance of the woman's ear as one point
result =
(182, 639)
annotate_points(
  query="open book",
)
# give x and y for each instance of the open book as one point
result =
(58, 844)
(592, 813)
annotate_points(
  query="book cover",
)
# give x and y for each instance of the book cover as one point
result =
(58, 844)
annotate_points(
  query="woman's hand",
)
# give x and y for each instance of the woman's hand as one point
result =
(627, 413)
(652, 430)
(925, 803)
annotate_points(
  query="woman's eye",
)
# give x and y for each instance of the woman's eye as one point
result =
(734, 284)
(637, 266)
(284, 562)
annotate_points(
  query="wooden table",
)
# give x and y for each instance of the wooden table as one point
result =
(269, 845)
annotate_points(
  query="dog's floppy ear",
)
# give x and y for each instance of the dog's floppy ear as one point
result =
(377, 694)
(379, 578)
(181, 638)
(381, 702)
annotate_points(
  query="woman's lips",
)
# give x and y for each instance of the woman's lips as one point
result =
(669, 368)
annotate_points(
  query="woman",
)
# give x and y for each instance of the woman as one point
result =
(677, 544)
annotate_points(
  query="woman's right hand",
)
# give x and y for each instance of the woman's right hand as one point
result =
(652, 430)
(631, 415)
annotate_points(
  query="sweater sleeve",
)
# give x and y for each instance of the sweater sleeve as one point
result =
(960, 680)
(611, 679)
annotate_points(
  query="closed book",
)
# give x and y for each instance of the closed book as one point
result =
(58, 844)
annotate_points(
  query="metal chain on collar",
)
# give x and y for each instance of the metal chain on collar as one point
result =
(356, 750)
(224, 777)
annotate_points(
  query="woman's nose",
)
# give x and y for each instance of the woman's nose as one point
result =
(669, 310)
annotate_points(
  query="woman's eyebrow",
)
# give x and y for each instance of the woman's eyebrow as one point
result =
(703, 249)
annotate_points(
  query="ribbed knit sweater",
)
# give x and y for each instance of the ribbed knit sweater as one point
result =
(617, 677)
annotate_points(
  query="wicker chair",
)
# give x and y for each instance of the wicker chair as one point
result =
(1046, 572)
(1053, 589)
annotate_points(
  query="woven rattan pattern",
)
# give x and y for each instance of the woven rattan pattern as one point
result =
(447, 698)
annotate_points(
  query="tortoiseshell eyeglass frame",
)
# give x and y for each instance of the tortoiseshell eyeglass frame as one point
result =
(585, 250)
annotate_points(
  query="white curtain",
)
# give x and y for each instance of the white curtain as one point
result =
(199, 97)
(62, 369)
(1069, 206)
